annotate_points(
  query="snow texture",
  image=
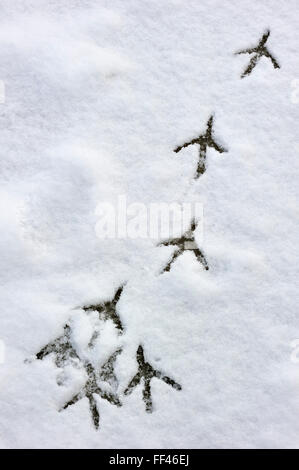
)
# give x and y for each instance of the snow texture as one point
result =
(98, 95)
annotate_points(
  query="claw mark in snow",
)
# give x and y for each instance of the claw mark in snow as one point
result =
(185, 243)
(107, 370)
(107, 310)
(258, 51)
(61, 347)
(147, 372)
(90, 389)
(204, 141)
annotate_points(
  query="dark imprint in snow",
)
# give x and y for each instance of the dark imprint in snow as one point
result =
(185, 243)
(258, 51)
(147, 372)
(107, 310)
(61, 347)
(107, 370)
(92, 388)
(204, 141)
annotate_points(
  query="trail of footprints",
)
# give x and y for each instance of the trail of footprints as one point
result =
(102, 382)
(65, 353)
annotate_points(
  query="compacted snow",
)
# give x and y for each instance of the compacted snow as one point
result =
(98, 94)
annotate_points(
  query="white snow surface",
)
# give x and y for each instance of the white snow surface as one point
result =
(98, 94)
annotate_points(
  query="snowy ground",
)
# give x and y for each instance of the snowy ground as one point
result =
(98, 94)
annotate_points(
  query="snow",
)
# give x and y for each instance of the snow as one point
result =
(97, 96)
